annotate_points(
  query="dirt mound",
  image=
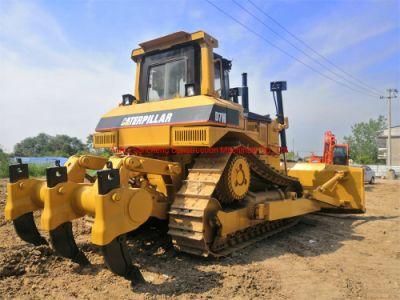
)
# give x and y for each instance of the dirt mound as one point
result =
(32, 260)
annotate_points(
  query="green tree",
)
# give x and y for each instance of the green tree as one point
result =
(363, 140)
(47, 145)
(89, 143)
(4, 162)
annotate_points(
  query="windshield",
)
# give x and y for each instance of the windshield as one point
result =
(340, 156)
(164, 74)
(339, 151)
(167, 81)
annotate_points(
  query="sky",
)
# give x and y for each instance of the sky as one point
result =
(63, 64)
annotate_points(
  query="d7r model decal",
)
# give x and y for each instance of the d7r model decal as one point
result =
(206, 113)
(220, 117)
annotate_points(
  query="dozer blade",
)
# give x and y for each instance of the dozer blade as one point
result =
(117, 259)
(336, 188)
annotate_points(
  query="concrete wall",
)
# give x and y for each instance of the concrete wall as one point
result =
(396, 151)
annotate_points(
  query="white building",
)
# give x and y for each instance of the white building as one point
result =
(395, 149)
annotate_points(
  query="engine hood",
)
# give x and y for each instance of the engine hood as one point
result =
(197, 109)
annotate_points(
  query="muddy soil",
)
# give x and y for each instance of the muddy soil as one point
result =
(324, 257)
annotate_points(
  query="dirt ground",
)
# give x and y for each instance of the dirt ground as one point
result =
(324, 257)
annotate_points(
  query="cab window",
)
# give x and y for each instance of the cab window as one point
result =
(167, 80)
(221, 76)
(164, 74)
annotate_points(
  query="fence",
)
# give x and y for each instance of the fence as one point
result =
(47, 160)
(381, 170)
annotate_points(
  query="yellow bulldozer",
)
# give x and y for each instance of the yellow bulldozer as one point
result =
(186, 151)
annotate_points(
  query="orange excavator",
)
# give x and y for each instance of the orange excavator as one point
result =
(334, 153)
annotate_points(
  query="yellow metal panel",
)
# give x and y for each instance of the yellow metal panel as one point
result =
(151, 165)
(201, 35)
(216, 133)
(105, 139)
(166, 41)
(145, 136)
(207, 70)
(78, 164)
(137, 81)
(210, 135)
(282, 209)
(190, 136)
(147, 107)
(58, 205)
(170, 40)
(23, 197)
(273, 136)
(120, 211)
(233, 220)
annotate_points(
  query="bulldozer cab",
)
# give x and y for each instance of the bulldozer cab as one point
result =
(341, 155)
(180, 65)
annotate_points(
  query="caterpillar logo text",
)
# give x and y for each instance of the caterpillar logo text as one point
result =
(147, 119)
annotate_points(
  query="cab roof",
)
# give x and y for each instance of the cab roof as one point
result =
(173, 39)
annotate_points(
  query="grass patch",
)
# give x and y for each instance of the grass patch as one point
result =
(35, 170)
(38, 170)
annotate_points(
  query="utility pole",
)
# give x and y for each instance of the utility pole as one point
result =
(392, 93)
(294, 153)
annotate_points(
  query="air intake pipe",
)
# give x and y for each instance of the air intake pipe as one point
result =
(277, 87)
(245, 93)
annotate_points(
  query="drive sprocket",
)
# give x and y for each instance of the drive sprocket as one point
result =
(235, 180)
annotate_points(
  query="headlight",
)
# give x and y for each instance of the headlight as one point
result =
(127, 99)
(189, 90)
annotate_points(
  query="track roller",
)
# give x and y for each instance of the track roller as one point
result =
(117, 259)
(63, 242)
